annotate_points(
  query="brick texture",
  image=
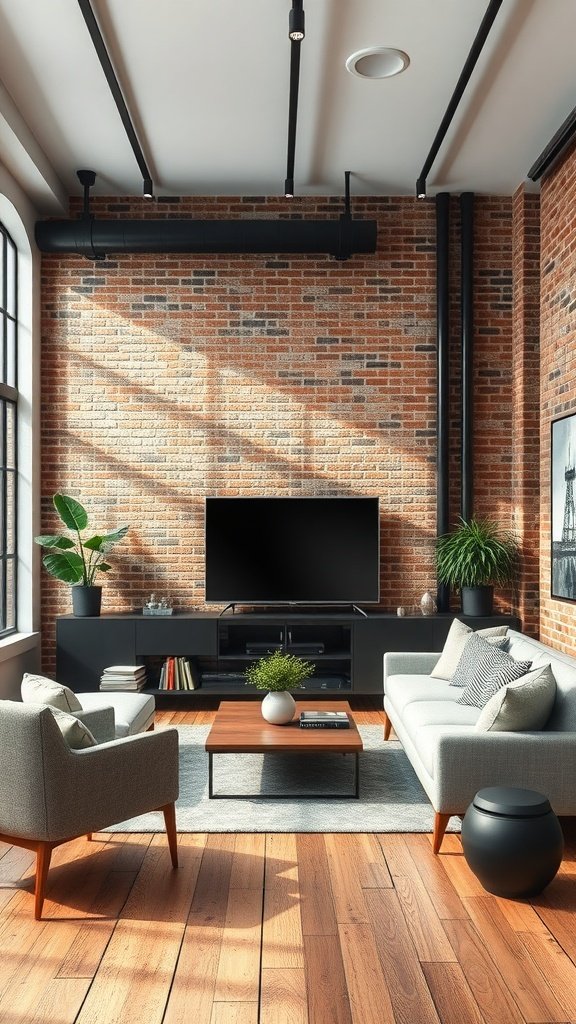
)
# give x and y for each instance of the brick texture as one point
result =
(168, 378)
(558, 368)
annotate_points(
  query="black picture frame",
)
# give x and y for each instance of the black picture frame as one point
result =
(563, 508)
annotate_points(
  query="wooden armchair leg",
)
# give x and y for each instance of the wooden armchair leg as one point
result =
(169, 812)
(387, 726)
(43, 857)
(440, 823)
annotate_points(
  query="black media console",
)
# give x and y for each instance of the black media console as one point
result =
(346, 649)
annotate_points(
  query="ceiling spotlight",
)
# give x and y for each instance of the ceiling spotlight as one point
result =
(377, 62)
(148, 188)
(421, 188)
(296, 22)
(289, 188)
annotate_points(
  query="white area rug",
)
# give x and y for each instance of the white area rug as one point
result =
(391, 797)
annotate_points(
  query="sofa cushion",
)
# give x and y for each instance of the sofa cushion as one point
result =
(76, 734)
(429, 737)
(133, 712)
(424, 712)
(402, 690)
(37, 689)
(486, 670)
(522, 705)
(458, 635)
(563, 717)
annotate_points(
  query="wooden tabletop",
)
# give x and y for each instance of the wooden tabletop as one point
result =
(239, 727)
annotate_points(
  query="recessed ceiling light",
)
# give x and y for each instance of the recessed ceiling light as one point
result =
(377, 62)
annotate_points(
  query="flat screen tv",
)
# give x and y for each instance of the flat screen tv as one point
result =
(292, 550)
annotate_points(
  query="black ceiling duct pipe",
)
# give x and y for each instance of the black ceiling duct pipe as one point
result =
(475, 51)
(443, 380)
(467, 341)
(97, 239)
(296, 34)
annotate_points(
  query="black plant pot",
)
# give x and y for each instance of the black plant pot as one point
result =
(86, 600)
(477, 600)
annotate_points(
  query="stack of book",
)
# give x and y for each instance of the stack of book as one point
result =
(177, 674)
(324, 720)
(123, 677)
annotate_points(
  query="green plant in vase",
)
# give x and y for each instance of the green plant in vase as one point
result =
(474, 557)
(78, 560)
(278, 673)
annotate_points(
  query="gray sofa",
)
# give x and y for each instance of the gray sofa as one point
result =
(453, 760)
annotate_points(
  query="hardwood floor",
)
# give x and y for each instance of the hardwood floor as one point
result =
(280, 929)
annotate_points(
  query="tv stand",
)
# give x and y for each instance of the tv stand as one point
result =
(346, 647)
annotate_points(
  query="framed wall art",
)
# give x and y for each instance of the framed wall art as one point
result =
(563, 508)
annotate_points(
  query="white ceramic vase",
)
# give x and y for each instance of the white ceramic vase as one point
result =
(427, 604)
(278, 708)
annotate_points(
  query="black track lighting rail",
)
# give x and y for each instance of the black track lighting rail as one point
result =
(295, 34)
(114, 86)
(465, 75)
(555, 148)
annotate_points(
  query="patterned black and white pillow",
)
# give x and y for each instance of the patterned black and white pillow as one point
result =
(475, 649)
(493, 669)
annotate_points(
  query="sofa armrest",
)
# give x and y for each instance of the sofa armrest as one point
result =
(100, 721)
(543, 761)
(409, 663)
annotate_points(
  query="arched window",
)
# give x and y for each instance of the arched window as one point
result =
(8, 431)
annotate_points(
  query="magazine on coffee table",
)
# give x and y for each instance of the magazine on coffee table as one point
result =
(324, 720)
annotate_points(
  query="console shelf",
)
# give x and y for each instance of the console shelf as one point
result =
(349, 648)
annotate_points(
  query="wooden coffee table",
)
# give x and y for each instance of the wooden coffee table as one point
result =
(239, 728)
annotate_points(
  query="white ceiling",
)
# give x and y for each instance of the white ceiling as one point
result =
(206, 82)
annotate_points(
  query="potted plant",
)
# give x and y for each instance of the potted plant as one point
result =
(278, 673)
(472, 558)
(80, 560)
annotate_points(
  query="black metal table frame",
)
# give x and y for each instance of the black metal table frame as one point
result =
(354, 794)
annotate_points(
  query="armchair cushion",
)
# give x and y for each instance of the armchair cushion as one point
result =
(76, 734)
(37, 689)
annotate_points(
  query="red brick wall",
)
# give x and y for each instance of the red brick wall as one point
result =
(526, 400)
(168, 378)
(558, 367)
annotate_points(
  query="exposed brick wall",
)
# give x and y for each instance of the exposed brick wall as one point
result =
(558, 368)
(525, 442)
(167, 378)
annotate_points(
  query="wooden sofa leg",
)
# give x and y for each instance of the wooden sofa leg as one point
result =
(387, 726)
(440, 823)
(169, 812)
(150, 728)
(43, 857)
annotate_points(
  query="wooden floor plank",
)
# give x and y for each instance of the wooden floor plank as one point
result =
(317, 906)
(535, 1000)
(368, 993)
(326, 981)
(556, 966)
(248, 863)
(451, 994)
(237, 979)
(234, 1013)
(283, 997)
(439, 887)
(411, 1000)
(282, 940)
(428, 935)
(347, 893)
(452, 859)
(59, 1003)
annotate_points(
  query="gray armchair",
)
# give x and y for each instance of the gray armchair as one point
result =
(50, 794)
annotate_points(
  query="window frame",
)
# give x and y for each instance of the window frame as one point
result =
(8, 399)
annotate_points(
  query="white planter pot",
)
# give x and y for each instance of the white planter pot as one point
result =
(278, 708)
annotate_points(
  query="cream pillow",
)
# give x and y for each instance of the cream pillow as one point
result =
(41, 690)
(458, 634)
(522, 705)
(75, 733)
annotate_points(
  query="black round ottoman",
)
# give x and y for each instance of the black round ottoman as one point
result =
(512, 841)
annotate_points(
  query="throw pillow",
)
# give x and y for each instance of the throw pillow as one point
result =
(521, 705)
(485, 669)
(41, 690)
(458, 634)
(475, 649)
(75, 733)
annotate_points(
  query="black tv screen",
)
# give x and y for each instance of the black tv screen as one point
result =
(292, 550)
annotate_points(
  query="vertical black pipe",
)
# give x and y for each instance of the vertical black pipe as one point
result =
(443, 379)
(467, 342)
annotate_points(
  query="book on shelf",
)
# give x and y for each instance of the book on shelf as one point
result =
(123, 677)
(177, 674)
(324, 720)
